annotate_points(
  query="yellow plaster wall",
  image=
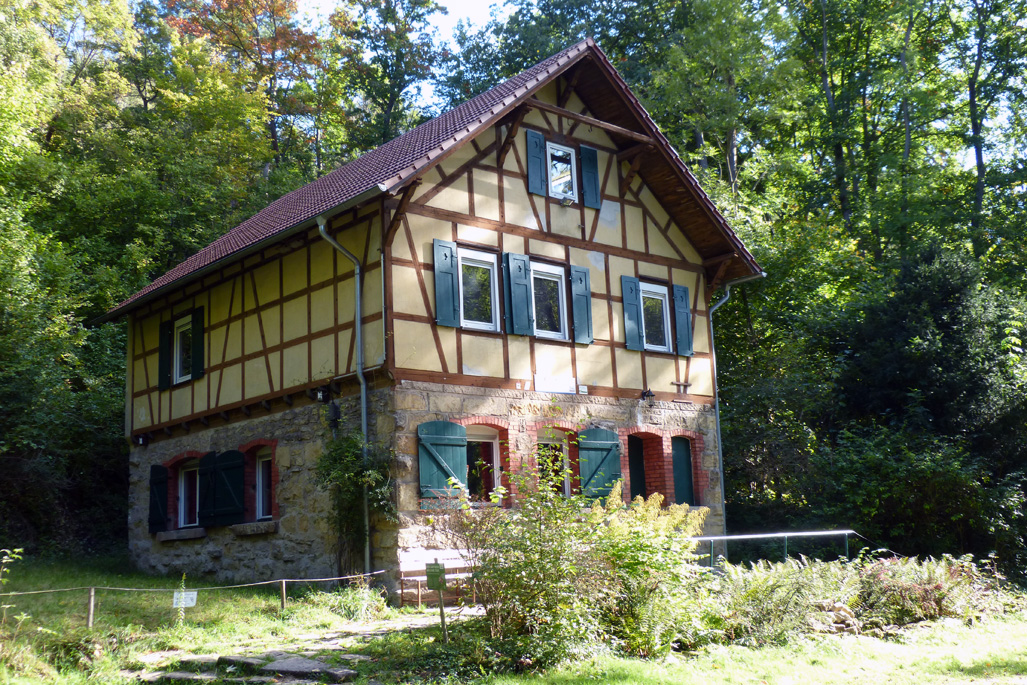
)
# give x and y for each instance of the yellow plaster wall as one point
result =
(415, 346)
(482, 355)
(700, 377)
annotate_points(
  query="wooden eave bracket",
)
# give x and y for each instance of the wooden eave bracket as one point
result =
(397, 216)
(719, 258)
(719, 276)
(636, 163)
(508, 142)
(633, 152)
(568, 89)
(590, 121)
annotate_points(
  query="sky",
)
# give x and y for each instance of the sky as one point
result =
(475, 11)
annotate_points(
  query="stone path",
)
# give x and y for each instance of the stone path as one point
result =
(291, 663)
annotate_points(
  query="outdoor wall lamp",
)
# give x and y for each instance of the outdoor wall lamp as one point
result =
(323, 394)
(649, 396)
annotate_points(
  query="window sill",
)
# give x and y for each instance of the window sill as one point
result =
(255, 528)
(193, 533)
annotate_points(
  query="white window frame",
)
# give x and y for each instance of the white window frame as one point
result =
(491, 436)
(480, 259)
(556, 147)
(552, 273)
(178, 374)
(660, 292)
(567, 474)
(188, 467)
(264, 456)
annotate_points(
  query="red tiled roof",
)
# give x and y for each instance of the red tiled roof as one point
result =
(395, 162)
(388, 165)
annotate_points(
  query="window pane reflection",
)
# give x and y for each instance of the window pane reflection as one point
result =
(654, 321)
(547, 305)
(477, 293)
(561, 181)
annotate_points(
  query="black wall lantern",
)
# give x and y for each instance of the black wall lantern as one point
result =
(323, 394)
(649, 396)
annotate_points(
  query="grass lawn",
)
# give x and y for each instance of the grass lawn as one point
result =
(52, 643)
(994, 651)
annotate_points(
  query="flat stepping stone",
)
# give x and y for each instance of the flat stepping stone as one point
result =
(186, 677)
(241, 662)
(198, 662)
(303, 667)
(252, 680)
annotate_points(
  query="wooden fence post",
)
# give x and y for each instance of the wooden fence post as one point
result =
(283, 594)
(92, 605)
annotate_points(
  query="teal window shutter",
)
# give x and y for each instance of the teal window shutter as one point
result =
(631, 296)
(447, 284)
(598, 461)
(165, 336)
(441, 455)
(537, 177)
(207, 475)
(590, 177)
(681, 452)
(229, 504)
(158, 518)
(517, 294)
(197, 370)
(581, 305)
(683, 320)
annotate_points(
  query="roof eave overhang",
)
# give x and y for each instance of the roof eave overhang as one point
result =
(304, 225)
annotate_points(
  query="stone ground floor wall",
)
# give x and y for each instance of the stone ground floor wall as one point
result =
(299, 541)
(523, 417)
(296, 543)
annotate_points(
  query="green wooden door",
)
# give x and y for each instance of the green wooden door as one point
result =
(684, 491)
(636, 466)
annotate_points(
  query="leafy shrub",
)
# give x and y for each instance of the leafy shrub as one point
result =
(346, 470)
(898, 591)
(563, 576)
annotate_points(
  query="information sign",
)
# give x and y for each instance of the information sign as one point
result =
(436, 576)
(184, 600)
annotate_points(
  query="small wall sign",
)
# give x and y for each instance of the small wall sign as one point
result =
(184, 600)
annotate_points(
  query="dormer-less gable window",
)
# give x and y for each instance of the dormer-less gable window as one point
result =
(563, 181)
(655, 317)
(553, 170)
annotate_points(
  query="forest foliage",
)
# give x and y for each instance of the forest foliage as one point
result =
(870, 154)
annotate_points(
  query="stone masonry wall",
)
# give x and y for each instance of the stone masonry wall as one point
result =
(298, 544)
(521, 417)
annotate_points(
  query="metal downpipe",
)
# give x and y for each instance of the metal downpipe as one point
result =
(716, 404)
(358, 329)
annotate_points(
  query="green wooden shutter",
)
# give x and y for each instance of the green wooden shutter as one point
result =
(581, 305)
(590, 177)
(441, 455)
(517, 294)
(683, 320)
(447, 284)
(598, 461)
(208, 489)
(229, 504)
(537, 178)
(158, 499)
(197, 370)
(165, 336)
(681, 452)
(631, 295)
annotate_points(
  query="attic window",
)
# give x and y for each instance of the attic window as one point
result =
(560, 165)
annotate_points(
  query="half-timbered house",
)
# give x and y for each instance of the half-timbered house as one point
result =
(532, 270)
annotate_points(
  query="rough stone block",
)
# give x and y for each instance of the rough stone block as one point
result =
(410, 401)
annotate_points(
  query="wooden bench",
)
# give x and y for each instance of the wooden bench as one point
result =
(456, 578)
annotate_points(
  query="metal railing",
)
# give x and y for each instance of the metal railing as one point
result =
(767, 536)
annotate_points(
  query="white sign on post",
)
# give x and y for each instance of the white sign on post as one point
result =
(184, 600)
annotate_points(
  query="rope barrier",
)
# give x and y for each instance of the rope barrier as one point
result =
(217, 587)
